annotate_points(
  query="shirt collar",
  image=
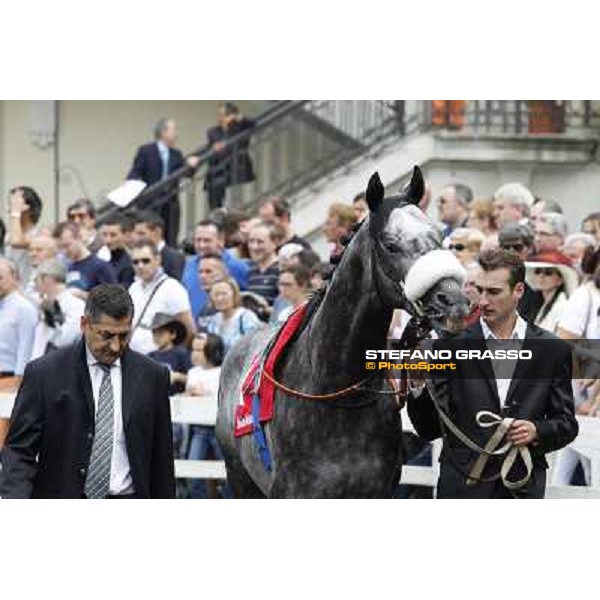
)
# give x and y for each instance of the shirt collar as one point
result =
(518, 332)
(92, 361)
(162, 147)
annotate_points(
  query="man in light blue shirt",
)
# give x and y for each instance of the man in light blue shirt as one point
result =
(18, 319)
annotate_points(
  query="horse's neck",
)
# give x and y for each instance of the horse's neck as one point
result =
(350, 320)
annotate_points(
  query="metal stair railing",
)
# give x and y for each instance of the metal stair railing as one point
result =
(160, 192)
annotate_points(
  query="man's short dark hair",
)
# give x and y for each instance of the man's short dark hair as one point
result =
(210, 223)
(117, 219)
(33, 201)
(66, 226)
(230, 108)
(301, 274)
(84, 203)
(110, 299)
(359, 196)
(281, 207)
(213, 255)
(498, 258)
(150, 218)
(146, 244)
(516, 232)
(308, 257)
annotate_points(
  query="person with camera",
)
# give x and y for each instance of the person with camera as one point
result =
(60, 310)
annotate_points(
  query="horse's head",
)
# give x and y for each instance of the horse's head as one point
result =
(411, 270)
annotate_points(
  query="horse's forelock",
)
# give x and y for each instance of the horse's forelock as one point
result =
(407, 223)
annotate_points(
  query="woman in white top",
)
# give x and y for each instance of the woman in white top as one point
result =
(554, 276)
(581, 320)
(231, 320)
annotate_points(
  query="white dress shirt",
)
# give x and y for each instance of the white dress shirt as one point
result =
(518, 333)
(120, 471)
(163, 151)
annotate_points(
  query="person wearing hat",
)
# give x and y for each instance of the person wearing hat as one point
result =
(168, 334)
(519, 238)
(552, 274)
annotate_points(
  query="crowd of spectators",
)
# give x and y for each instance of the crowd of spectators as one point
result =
(243, 270)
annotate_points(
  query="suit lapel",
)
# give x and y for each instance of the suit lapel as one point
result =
(83, 376)
(157, 160)
(130, 380)
(523, 365)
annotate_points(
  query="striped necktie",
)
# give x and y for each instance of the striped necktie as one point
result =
(98, 477)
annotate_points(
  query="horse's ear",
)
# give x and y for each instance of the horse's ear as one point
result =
(416, 188)
(375, 193)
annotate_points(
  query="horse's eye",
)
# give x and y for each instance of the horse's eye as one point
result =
(391, 244)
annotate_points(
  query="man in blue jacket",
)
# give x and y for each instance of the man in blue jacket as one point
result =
(209, 238)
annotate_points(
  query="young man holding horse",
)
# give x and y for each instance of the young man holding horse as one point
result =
(499, 418)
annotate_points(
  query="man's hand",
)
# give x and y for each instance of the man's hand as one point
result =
(178, 378)
(218, 146)
(522, 433)
(192, 161)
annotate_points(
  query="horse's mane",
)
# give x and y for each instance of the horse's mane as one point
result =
(316, 297)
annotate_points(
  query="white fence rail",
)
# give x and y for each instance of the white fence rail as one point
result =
(193, 410)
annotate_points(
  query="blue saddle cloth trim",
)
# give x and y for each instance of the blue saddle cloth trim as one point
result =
(259, 434)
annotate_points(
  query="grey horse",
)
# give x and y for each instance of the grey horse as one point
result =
(349, 447)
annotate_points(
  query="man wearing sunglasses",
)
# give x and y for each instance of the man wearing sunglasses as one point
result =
(153, 291)
(92, 420)
(519, 239)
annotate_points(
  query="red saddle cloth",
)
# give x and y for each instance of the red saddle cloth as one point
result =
(266, 390)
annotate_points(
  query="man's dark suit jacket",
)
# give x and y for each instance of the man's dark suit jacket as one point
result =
(230, 166)
(173, 262)
(49, 442)
(540, 391)
(147, 166)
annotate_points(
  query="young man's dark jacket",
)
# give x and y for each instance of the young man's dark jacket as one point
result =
(540, 391)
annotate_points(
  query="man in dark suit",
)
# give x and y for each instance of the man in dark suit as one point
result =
(156, 161)
(149, 227)
(231, 164)
(535, 393)
(92, 420)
